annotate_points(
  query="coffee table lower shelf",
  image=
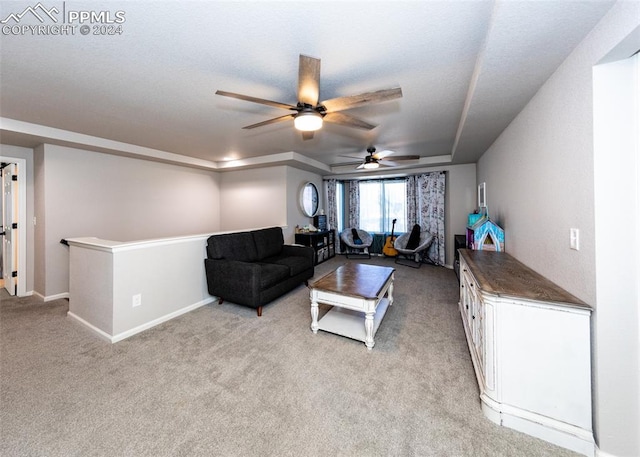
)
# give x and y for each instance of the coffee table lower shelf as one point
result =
(350, 323)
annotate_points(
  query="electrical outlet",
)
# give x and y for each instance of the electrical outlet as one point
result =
(136, 300)
(574, 237)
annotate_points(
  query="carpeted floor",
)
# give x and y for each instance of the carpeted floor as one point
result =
(220, 381)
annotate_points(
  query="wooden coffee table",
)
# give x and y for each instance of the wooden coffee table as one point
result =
(353, 290)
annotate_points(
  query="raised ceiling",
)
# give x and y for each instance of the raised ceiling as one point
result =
(466, 68)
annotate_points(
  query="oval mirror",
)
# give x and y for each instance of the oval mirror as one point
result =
(309, 199)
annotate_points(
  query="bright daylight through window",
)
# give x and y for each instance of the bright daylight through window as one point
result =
(380, 203)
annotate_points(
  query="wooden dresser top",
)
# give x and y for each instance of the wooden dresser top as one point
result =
(501, 274)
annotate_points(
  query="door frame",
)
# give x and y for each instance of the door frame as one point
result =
(22, 222)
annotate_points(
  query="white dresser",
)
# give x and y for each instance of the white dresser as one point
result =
(530, 343)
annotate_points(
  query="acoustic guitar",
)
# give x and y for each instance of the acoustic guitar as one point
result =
(388, 248)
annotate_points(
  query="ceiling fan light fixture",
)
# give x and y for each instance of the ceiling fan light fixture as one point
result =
(308, 121)
(371, 165)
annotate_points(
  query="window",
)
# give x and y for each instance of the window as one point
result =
(380, 203)
(340, 206)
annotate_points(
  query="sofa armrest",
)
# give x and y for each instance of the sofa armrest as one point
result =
(233, 278)
(300, 251)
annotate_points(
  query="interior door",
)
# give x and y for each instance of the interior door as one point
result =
(10, 227)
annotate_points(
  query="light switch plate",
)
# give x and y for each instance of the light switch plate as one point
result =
(574, 237)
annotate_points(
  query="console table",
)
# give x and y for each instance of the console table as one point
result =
(323, 243)
(530, 344)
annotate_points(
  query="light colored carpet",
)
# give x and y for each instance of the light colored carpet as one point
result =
(220, 381)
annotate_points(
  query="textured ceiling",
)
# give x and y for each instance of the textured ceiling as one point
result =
(465, 69)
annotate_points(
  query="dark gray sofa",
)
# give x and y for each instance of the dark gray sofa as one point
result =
(253, 268)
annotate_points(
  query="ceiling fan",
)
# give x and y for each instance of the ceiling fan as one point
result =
(309, 111)
(379, 159)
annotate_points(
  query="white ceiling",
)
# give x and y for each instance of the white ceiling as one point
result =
(466, 68)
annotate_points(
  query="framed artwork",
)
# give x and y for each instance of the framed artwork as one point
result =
(482, 195)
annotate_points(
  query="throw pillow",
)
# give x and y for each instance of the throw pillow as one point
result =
(356, 237)
(414, 238)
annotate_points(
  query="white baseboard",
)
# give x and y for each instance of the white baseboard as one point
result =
(140, 328)
(102, 334)
(47, 298)
(56, 297)
(560, 433)
(600, 453)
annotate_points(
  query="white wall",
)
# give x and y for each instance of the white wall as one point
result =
(106, 196)
(540, 183)
(539, 172)
(253, 198)
(265, 197)
(617, 212)
(460, 201)
(106, 276)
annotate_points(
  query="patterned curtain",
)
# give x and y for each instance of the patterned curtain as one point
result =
(412, 201)
(331, 187)
(354, 203)
(425, 206)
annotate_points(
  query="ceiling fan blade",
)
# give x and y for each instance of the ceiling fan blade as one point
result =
(382, 154)
(309, 80)
(262, 101)
(307, 136)
(349, 121)
(351, 157)
(360, 166)
(286, 117)
(352, 101)
(396, 158)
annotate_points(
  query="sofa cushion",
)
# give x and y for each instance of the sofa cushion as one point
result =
(268, 242)
(271, 274)
(232, 246)
(296, 264)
